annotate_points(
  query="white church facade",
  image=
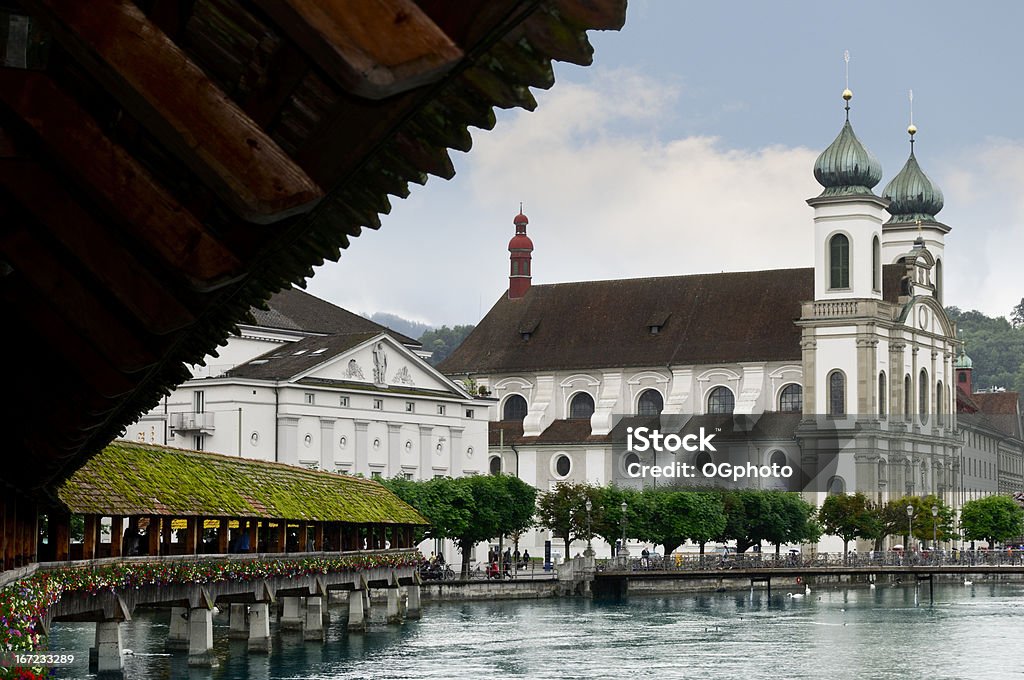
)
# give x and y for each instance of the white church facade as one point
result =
(853, 361)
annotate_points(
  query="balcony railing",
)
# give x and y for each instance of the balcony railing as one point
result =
(191, 422)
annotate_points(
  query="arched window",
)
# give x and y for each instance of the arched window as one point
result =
(791, 398)
(514, 409)
(721, 400)
(581, 405)
(839, 261)
(908, 397)
(495, 465)
(938, 402)
(876, 265)
(922, 396)
(882, 471)
(836, 393)
(778, 458)
(650, 403)
(836, 486)
(630, 459)
(938, 280)
(702, 459)
(883, 388)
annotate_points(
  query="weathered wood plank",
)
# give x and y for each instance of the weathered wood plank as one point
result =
(135, 285)
(174, 99)
(118, 181)
(373, 48)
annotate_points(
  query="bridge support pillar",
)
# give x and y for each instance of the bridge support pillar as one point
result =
(392, 613)
(200, 637)
(356, 612)
(177, 634)
(238, 624)
(291, 613)
(413, 609)
(108, 647)
(259, 628)
(314, 628)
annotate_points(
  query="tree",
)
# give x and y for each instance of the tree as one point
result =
(670, 517)
(563, 512)
(993, 519)
(895, 520)
(798, 520)
(607, 514)
(441, 342)
(1017, 315)
(849, 517)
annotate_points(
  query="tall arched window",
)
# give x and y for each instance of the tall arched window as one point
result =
(778, 458)
(938, 402)
(922, 395)
(836, 393)
(938, 280)
(883, 387)
(514, 408)
(791, 399)
(721, 400)
(908, 398)
(836, 486)
(839, 261)
(650, 403)
(876, 264)
(581, 405)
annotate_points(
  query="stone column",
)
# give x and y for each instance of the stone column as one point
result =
(356, 613)
(413, 609)
(362, 450)
(291, 614)
(238, 625)
(314, 628)
(392, 614)
(394, 449)
(259, 627)
(200, 637)
(327, 443)
(108, 647)
(177, 635)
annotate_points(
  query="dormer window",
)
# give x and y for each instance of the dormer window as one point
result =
(527, 328)
(657, 321)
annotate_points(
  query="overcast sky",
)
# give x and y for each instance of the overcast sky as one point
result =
(688, 146)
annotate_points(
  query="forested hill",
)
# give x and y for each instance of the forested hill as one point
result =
(996, 345)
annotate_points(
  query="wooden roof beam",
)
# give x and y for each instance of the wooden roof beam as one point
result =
(120, 183)
(135, 285)
(174, 99)
(372, 48)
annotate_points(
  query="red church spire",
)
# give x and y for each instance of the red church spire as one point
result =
(520, 250)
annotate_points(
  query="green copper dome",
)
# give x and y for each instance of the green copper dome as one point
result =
(912, 196)
(963, 361)
(846, 168)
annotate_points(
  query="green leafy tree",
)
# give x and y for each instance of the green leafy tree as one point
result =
(897, 522)
(996, 345)
(670, 517)
(993, 519)
(563, 511)
(797, 520)
(441, 342)
(849, 516)
(607, 514)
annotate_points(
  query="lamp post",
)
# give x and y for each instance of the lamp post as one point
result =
(935, 528)
(622, 549)
(589, 552)
(910, 531)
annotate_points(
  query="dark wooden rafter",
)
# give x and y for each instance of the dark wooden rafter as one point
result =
(174, 99)
(134, 284)
(343, 38)
(118, 181)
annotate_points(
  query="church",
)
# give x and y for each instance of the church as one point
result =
(849, 371)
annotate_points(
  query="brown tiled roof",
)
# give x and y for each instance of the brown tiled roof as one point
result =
(513, 432)
(1001, 411)
(711, 318)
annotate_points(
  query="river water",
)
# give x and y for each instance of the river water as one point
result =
(891, 632)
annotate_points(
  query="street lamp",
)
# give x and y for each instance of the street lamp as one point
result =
(622, 549)
(935, 527)
(910, 520)
(589, 552)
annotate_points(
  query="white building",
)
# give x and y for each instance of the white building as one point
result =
(313, 385)
(846, 368)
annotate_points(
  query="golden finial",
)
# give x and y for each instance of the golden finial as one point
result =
(918, 222)
(911, 129)
(847, 93)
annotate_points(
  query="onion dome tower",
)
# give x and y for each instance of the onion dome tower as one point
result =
(964, 367)
(520, 250)
(847, 218)
(914, 200)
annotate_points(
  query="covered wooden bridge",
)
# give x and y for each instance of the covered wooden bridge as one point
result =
(141, 499)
